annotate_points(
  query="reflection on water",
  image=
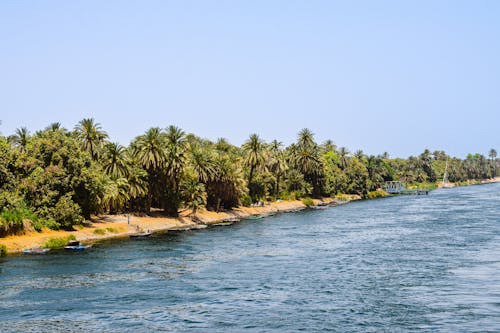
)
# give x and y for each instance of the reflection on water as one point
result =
(416, 263)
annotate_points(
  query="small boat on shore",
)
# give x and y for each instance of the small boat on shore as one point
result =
(76, 246)
(319, 207)
(35, 251)
(255, 217)
(141, 235)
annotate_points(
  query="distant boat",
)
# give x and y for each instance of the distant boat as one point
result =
(445, 183)
(141, 235)
(255, 217)
(35, 250)
(76, 246)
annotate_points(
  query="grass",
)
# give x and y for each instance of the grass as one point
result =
(99, 231)
(58, 242)
(112, 230)
(3, 250)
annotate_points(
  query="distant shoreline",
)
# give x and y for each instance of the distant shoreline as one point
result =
(472, 182)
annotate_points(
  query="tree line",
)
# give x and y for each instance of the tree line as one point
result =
(56, 177)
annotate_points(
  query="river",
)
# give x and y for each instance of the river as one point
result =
(400, 264)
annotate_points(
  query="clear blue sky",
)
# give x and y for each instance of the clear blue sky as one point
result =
(396, 76)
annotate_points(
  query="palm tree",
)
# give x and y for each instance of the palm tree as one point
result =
(116, 194)
(91, 136)
(54, 127)
(493, 156)
(277, 164)
(328, 146)
(306, 158)
(306, 138)
(202, 162)
(194, 195)
(20, 138)
(176, 145)
(344, 157)
(115, 161)
(359, 154)
(149, 151)
(254, 156)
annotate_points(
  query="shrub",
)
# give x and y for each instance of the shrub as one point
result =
(58, 242)
(308, 202)
(3, 250)
(11, 219)
(99, 231)
(49, 223)
(112, 230)
(246, 200)
(377, 194)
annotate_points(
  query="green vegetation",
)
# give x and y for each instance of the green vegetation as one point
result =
(58, 242)
(308, 202)
(3, 250)
(379, 193)
(99, 231)
(56, 178)
(112, 230)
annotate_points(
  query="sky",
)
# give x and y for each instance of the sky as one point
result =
(380, 76)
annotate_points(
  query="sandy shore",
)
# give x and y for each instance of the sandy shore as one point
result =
(117, 226)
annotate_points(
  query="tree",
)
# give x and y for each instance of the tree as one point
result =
(149, 151)
(91, 136)
(305, 157)
(344, 157)
(175, 140)
(277, 164)
(115, 163)
(493, 164)
(193, 194)
(20, 138)
(254, 156)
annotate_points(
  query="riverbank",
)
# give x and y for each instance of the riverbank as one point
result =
(471, 182)
(122, 226)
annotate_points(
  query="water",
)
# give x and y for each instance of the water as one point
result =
(413, 263)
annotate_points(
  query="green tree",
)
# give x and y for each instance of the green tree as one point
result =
(149, 151)
(115, 162)
(254, 156)
(91, 136)
(20, 138)
(176, 147)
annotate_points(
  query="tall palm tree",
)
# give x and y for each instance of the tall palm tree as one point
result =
(115, 161)
(344, 157)
(277, 164)
(306, 138)
(20, 138)
(306, 158)
(149, 151)
(493, 156)
(254, 155)
(91, 136)
(176, 146)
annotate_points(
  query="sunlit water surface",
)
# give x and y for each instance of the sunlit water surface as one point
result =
(411, 263)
